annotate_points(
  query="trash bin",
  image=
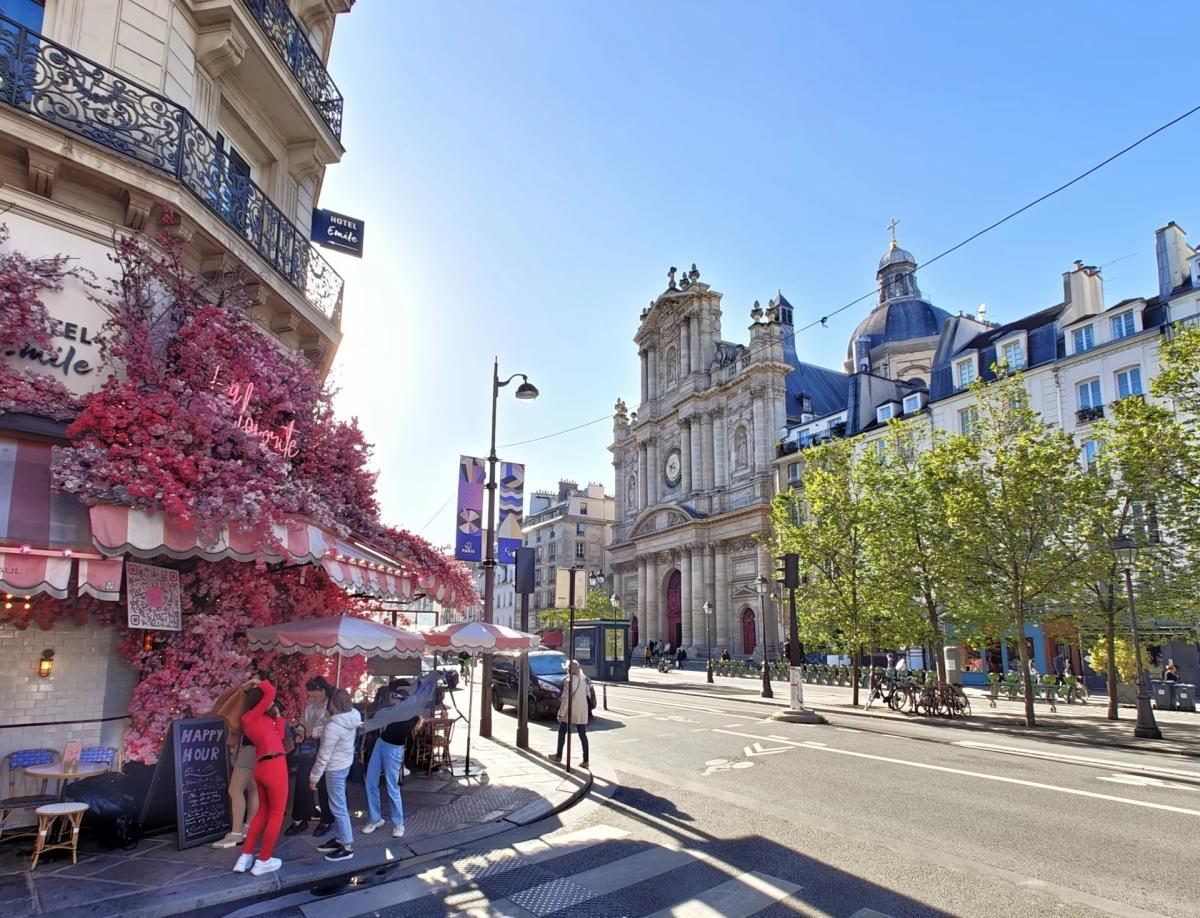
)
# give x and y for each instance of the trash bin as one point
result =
(1163, 694)
(1185, 696)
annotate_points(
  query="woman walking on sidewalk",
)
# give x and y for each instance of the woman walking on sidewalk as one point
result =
(270, 777)
(578, 688)
(333, 762)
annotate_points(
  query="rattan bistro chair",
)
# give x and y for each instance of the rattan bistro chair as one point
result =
(101, 755)
(21, 792)
(440, 730)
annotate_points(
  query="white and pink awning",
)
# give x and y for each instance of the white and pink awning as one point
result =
(479, 636)
(337, 634)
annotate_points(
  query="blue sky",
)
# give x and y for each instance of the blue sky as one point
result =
(528, 172)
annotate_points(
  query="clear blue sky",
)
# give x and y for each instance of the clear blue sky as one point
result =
(528, 172)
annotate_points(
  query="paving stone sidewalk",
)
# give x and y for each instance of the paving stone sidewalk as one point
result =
(155, 878)
(1084, 724)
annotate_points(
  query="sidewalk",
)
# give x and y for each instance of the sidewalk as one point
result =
(155, 879)
(1076, 723)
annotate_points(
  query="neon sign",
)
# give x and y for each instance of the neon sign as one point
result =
(278, 440)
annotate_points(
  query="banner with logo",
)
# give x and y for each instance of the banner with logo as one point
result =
(512, 503)
(468, 537)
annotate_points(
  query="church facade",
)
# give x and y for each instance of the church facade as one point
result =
(694, 469)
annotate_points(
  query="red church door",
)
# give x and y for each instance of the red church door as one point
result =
(674, 610)
(749, 633)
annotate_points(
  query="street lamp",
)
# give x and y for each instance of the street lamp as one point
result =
(526, 392)
(1125, 551)
(708, 611)
(761, 586)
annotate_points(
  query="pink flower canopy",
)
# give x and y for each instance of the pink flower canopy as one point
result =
(473, 636)
(344, 635)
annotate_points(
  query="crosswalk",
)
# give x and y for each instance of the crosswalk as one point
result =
(599, 871)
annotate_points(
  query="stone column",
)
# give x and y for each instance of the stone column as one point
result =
(653, 624)
(643, 622)
(642, 477)
(696, 441)
(686, 573)
(706, 451)
(697, 553)
(651, 374)
(756, 440)
(652, 473)
(721, 610)
(685, 347)
(720, 451)
(643, 356)
(697, 358)
(685, 455)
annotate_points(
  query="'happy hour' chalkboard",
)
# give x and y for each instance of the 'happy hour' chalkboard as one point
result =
(198, 748)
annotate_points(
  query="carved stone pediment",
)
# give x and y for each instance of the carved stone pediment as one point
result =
(657, 518)
(745, 591)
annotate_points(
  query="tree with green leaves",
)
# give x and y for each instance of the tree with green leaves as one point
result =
(826, 522)
(1019, 504)
(598, 605)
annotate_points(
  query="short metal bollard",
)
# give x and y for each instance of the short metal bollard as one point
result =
(604, 688)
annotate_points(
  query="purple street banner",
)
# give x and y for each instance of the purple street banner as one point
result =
(512, 502)
(468, 537)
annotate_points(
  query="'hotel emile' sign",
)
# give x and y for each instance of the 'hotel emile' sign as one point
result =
(337, 231)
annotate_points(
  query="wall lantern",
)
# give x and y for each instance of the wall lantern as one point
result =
(46, 663)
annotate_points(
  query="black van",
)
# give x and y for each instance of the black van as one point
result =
(547, 670)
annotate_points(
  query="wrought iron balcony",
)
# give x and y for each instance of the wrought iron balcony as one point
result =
(287, 35)
(48, 81)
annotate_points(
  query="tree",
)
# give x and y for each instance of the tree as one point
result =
(826, 524)
(598, 605)
(1018, 502)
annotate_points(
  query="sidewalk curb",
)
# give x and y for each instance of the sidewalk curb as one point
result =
(246, 889)
(1012, 727)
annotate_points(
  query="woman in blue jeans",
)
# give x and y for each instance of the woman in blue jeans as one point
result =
(387, 759)
(334, 759)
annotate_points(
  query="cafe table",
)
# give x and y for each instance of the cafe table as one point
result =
(56, 771)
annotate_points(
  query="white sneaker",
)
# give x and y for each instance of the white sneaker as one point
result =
(243, 863)
(405, 771)
(372, 826)
(268, 866)
(231, 840)
(398, 832)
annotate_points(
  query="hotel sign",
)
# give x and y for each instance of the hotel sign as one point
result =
(337, 231)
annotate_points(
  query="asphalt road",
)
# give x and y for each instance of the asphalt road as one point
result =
(705, 807)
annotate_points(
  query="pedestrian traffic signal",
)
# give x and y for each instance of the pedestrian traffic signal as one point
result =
(788, 572)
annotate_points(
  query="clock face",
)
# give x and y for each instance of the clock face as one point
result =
(673, 468)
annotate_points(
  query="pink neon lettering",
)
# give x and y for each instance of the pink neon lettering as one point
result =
(281, 441)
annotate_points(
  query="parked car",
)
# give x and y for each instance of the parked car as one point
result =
(547, 670)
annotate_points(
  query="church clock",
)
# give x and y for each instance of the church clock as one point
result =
(673, 469)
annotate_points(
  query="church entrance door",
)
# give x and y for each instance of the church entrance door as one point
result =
(674, 609)
(749, 632)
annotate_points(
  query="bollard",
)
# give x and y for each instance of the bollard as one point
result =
(605, 689)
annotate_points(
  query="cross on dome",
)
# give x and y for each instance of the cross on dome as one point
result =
(892, 226)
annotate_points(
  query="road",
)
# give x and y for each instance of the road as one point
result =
(703, 806)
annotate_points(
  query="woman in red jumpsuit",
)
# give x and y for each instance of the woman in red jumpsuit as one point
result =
(270, 776)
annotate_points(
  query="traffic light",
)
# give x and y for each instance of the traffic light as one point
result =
(788, 572)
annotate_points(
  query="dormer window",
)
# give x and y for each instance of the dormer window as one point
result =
(1012, 355)
(1084, 339)
(965, 372)
(912, 403)
(886, 412)
(1123, 325)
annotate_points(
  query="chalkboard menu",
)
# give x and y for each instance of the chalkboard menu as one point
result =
(194, 769)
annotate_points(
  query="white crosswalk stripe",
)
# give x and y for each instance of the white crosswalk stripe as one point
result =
(594, 871)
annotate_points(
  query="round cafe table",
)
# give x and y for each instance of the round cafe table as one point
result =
(56, 772)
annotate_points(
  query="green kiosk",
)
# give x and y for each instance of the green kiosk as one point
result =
(602, 649)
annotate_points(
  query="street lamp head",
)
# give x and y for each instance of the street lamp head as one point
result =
(708, 608)
(1125, 550)
(760, 584)
(527, 391)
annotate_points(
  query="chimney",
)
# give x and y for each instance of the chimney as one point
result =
(1083, 293)
(1172, 251)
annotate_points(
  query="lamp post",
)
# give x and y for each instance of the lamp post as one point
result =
(761, 586)
(527, 391)
(1125, 550)
(708, 611)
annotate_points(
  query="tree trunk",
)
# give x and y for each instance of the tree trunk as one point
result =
(1023, 654)
(854, 661)
(939, 641)
(1111, 674)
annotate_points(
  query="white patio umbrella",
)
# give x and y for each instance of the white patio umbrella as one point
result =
(475, 637)
(343, 635)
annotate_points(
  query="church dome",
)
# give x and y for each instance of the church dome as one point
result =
(896, 256)
(899, 320)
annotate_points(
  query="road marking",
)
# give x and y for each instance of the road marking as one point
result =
(740, 897)
(759, 749)
(982, 775)
(1078, 759)
(715, 765)
(731, 726)
(1147, 781)
(849, 730)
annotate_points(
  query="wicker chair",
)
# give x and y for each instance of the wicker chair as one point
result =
(440, 730)
(101, 755)
(21, 792)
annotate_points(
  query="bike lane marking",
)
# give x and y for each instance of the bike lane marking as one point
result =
(945, 769)
(1078, 759)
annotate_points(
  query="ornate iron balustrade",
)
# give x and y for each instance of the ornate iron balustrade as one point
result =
(287, 35)
(48, 81)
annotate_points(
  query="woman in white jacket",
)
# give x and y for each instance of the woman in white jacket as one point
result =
(573, 708)
(334, 759)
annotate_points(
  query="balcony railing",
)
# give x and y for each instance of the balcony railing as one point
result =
(287, 35)
(1087, 415)
(44, 79)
